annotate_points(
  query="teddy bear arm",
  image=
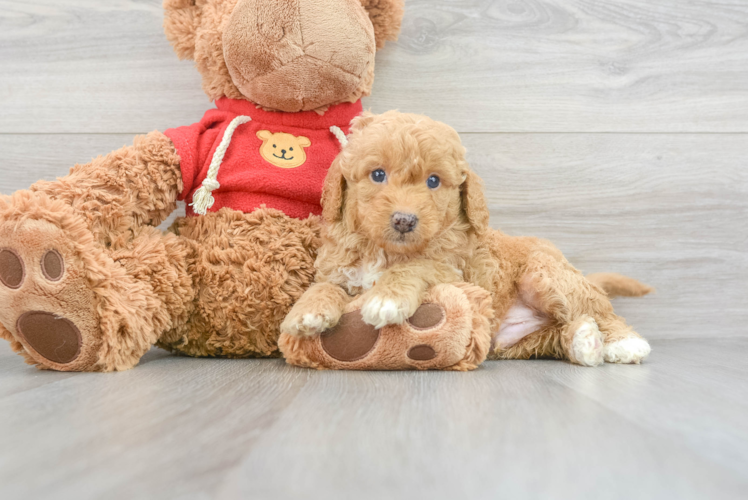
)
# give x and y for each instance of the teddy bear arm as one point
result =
(131, 187)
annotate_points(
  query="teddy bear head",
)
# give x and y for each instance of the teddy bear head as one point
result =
(284, 55)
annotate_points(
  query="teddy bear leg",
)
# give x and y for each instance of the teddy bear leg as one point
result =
(450, 331)
(134, 186)
(66, 302)
(249, 270)
(71, 305)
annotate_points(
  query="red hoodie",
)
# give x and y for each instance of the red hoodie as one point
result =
(269, 158)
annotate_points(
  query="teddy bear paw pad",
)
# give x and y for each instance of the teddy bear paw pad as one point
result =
(54, 338)
(12, 270)
(351, 339)
(428, 317)
(422, 352)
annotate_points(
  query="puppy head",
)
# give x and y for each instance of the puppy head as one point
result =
(401, 181)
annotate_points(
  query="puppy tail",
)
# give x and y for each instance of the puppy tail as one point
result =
(618, 285)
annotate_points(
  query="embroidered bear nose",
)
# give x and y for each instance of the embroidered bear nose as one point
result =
(283, 151)
(404, 223)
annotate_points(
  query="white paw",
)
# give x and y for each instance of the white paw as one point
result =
(310, 324)
(628, 350)
(379, 312)
(587, 344)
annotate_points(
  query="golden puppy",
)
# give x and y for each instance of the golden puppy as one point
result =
(404, 212)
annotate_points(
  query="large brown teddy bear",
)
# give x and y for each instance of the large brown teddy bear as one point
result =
(87, 282)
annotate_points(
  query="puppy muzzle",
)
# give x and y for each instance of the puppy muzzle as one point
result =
(403, 223)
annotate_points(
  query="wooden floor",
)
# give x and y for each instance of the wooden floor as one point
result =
(675, 427)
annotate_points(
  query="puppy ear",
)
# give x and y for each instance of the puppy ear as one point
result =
(333, 193)
(387, 17)
(304, 142)
(264, 135)
(474, 203)
(362, 121)
(181, 21)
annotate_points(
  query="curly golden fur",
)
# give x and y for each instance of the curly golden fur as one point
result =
(544, 306)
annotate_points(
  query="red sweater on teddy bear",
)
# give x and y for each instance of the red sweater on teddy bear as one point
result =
(242, 157)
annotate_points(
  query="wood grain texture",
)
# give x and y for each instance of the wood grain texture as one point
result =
(670, 210)
(480, 65)
(185, 428)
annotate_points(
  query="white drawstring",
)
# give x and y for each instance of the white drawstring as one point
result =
(203, 199)
(340, 135)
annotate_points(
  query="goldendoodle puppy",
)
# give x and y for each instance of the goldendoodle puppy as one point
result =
(404, 212)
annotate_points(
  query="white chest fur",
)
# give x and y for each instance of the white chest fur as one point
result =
(362, 277)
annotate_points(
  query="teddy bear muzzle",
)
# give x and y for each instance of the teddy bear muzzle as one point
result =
(298, 55)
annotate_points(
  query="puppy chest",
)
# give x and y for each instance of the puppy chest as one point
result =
(361, 278)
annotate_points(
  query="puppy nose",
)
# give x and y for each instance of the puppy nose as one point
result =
(283, 151)
(404, 223)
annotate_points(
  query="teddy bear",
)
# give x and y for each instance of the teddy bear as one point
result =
(88, 282)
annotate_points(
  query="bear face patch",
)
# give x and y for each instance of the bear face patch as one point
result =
(283, 150)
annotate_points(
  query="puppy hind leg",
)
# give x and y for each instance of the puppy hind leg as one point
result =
(553, 287)
(579, 341)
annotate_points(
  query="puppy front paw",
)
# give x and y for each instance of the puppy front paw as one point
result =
(380, 311)
(300, 324)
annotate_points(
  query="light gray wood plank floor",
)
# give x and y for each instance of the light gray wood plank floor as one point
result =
(674, 427)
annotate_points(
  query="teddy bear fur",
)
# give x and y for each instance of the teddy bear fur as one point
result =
(215, 285)
(196, 29)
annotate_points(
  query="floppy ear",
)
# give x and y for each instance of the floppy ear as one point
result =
(181, 20)
(474, 203)
(387, 17)
(304, 142)
(362, 121)
(332, 193)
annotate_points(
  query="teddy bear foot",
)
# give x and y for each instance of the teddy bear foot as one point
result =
(65, 304)
(448, 332)
(47, 305)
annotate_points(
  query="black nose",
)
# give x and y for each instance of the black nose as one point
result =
(404, 223)
(283, 151)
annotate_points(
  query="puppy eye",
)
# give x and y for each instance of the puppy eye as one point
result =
(291, 149)
(379, 176)
(275, 146)
(434, 182)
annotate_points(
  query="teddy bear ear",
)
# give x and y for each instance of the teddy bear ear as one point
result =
(181, 21)
(387, 17)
